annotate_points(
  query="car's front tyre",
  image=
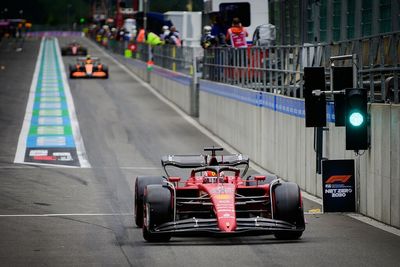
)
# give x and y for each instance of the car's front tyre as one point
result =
(157, 210)
(288, 208)
(140, 185)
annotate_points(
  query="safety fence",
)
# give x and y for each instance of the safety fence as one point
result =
(179, 59)
(279, 69)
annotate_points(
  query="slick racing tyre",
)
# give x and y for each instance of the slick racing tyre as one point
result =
(140, 185)
(105, 69)
(288, 208)
(250, 181)
(157, 210)
(72, 69)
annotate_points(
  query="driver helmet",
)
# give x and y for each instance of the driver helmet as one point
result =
(211, 173)
(165, 28)
(88, 58)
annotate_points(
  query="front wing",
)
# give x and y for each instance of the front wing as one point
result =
(83, 74)
(244, 226)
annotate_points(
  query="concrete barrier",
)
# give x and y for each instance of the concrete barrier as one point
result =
(174, 86)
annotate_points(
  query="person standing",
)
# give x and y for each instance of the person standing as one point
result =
(237, 34)
(208, 40)
(174, 37)
(165, 32)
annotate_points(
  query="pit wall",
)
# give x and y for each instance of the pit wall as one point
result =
(271, 130)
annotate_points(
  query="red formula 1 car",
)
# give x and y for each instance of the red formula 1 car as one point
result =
(74, 49)
(88, 68)
(216, 199)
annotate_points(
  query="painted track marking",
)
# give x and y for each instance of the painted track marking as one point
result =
(50, 133)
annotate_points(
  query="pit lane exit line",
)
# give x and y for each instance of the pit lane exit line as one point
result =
(64, 215)
(71, 215)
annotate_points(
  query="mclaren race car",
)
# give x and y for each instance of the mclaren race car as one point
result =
(74, 49)
(88, 67)
(216, 199)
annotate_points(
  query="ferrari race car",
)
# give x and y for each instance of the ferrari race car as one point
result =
(74, 49)
(216, 199)
(88, 68)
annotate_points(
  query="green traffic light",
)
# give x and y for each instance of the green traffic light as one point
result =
(82, 20)
(356, 119)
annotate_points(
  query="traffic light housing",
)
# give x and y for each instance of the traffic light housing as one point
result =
(356, 119)
(315, 105)
(342, 77)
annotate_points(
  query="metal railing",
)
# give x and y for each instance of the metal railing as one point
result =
(179, 59)
(280, 69)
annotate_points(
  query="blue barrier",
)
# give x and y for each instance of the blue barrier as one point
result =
(282, 104)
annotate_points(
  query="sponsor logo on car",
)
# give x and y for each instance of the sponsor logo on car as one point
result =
(222, 196)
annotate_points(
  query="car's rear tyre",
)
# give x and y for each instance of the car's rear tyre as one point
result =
(105, 69)
(140, 185)
(288, 208)
(157, 210)
(250, 181)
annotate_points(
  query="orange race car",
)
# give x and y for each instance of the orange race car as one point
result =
(88, 67)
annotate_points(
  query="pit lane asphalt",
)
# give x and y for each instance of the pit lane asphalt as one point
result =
(125, 130)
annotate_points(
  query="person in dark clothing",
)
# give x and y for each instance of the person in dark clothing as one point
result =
(218, 30)
(208, 40)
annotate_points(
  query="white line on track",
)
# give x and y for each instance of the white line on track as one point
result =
(229, 148)
(64, 215)
(80, 147)
(50, 166)
(21, 148)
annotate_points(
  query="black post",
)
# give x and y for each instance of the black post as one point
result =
(318, 141)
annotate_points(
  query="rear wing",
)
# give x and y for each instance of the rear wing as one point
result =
(95, 59)
(184, 161)
(197, 161)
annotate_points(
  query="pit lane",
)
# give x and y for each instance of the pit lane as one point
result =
(83, 216)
